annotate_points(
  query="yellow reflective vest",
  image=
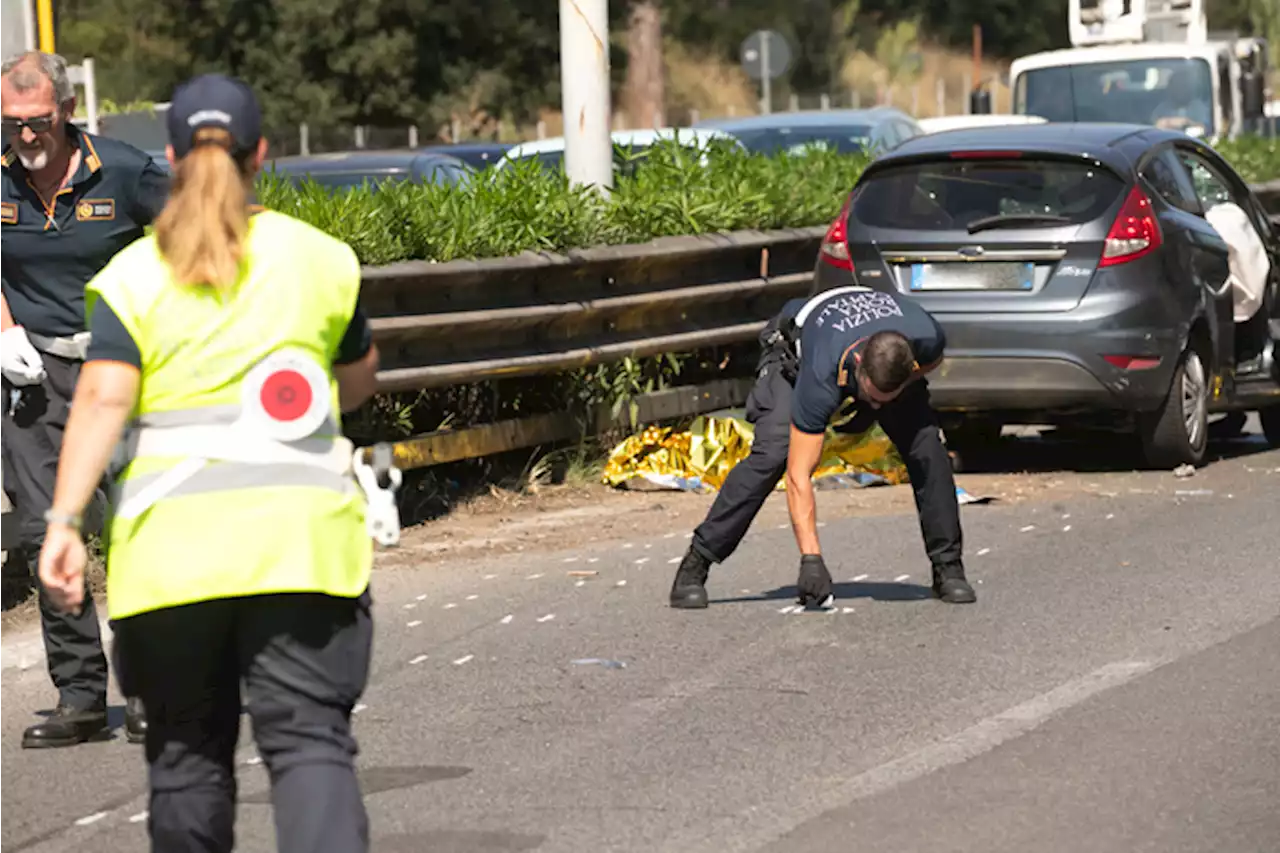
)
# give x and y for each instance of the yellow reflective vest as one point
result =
(207, 506)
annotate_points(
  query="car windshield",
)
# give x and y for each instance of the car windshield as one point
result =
(1174, 93)
(846, 139)
(955, 194)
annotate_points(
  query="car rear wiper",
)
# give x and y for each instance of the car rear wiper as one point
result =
(1015, 219)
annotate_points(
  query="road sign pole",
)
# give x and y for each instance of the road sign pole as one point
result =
(584, 84)
(766, 83)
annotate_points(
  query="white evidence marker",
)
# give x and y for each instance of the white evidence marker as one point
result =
(506, 620)
(460, 661)
(900, 578)
(139, 817)
(419, 659)
(984, 552)
(547, 618)
(415, 623)
(93, 818)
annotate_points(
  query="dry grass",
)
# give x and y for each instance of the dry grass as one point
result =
(943, 80)
(21, 604)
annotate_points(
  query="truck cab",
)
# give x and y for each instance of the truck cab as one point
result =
(1147, 61)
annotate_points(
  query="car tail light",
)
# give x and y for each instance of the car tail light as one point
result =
(1132, 362)
(835, 245)
(1134, 233)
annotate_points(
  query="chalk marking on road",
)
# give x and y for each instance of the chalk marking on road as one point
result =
(450, 606)
(472, 597)
(621, 583)
(840, 792)
(534, 576)
(1028, 528)
(506, 620)
(93, 818)
(861, 578)
(627, 545)
(571, 559)
(547, 618)
(1065, 516)
(1110, 516)
(648, 545)
(422, 597)
(642, 561)
(419, 659)
(668, 536)
(846, 609)
(900, 578)
(489, 577)
(255, 761)
(139, 817)
(415, 623)
(460, 661)
(410, 605)
(1066, 528)
(593, 560)
(984, 552)
(786, 609)
(360, 706)
(580, 583)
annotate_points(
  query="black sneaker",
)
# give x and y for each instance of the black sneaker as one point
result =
(689, 589)
(949, 584)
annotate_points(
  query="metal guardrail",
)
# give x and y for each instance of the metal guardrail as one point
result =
(463, 322)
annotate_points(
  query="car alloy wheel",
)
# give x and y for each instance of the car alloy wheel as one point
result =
(1195, 399)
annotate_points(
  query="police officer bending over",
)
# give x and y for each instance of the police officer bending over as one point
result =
(71, 200)
(872, 349)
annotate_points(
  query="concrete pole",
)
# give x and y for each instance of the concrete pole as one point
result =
(584, 86)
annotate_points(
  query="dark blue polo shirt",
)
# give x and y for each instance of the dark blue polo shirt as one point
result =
(50, 255)
(836, 321)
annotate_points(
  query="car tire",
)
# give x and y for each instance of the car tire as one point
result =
(1178, 432)
(1270, 418)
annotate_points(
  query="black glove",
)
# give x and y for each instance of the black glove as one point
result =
(814, 583)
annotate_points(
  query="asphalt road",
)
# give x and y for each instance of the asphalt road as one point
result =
(1115, 688)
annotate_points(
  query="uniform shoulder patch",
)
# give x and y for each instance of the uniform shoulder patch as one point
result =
(9, 213)
(96, 209)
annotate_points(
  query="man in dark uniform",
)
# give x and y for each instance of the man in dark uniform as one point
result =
(71, 200)
(872, 349)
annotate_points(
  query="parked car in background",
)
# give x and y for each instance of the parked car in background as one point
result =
(847, 131)
(478, 155)
(937, 124)
(633, 143)
(1076, 276)
(344, 170)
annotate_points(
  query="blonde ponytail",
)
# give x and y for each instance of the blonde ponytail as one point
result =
(202, 228)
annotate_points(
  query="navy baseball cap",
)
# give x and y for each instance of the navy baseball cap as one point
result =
(214, 100)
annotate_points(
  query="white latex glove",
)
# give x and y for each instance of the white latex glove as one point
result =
(19, 360)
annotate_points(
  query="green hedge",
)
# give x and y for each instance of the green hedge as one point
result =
(526, 208)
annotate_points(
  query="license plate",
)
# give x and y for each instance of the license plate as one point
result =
(976, 275)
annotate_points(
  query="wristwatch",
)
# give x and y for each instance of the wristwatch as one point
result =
(52, 516)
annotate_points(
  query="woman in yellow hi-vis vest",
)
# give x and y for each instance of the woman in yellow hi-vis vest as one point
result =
(227, 344)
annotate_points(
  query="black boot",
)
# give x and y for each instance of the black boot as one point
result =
(950, 585)
(67, 726)
(135, 721)
(689, 590)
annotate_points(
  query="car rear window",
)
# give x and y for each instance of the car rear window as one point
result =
(949, 194)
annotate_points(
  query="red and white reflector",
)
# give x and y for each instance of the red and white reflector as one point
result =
(285, 396)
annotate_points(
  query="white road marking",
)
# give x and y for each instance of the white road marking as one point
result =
(1028, 528)
(1066, 528)
(93, 818)
(984, 552)
(506, 620)
(422, 597)
(450, 606)
(139, 817)
(472, 597)
(642, 561)
(547, 618)
(415, 623)
(837, 792)
(360, 706)
(860, 578)
(460, 661)
(900, 578)
(419, 659)
(534, 577)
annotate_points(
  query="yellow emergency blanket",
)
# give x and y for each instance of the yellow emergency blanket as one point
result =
(700, 457)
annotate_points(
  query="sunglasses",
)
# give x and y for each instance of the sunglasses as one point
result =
(39, 124)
